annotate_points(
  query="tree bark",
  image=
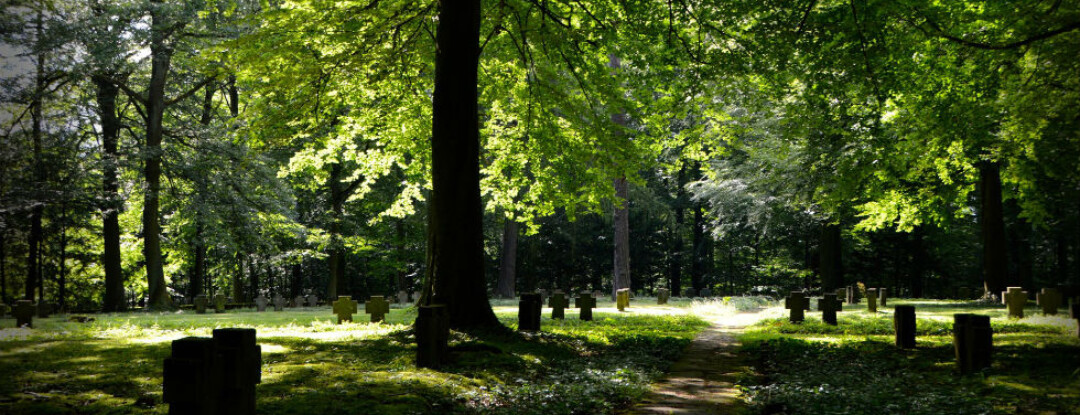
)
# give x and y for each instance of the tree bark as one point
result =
(675, 268)
(160, 57)
(33, 260)
(622, 236)
(337, 251)
(3, 267)
(455, 256)
(508, 262)
(238, 279)
(106, 94)
(697, 265)
(62, 266)
(992, 226)
(831, 257)
(399, 229)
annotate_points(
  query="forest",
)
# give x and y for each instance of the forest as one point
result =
(155, 150)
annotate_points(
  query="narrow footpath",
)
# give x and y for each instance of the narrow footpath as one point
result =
(703, 380)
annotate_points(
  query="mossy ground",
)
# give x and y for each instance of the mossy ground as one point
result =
(113, 365)
(854, 368)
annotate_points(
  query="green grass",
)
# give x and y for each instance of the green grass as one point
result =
(311, 365)
(854, 368)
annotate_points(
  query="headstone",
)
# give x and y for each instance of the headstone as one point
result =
(871, 300)
(883, 295)
(377, 307)
(1050, 300)
(432, 335)
(543, 294)
(841, 294)
(402, 297)
(219, 303)
(261, 302)
(705, 292)
(797, 302)
(312, 300)
(904, 325)
(622, 299)
(416, 296)
(662, 296)
(586, 303)
(558, 303)
(597, 294)
(200, 304)
(529, 307)
(44, 309)
(213, 376)
(1015, 298)
(24, 314)
(850, 294)
(298, 301)
(963, 293)
(1074, 311)
(828, 306)
(688, 292)
(279, 302)
(344, 307)
(973, 340)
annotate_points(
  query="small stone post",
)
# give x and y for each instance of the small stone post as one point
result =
(192, 377)
(200, 304)
(241, 370)
(883, 296)
(344, 308)
(622, 299)
(904, 325)
(1050, 300)
(662, 296)
(377, 307)
(219, 303)
(432, 335)
(529, 310)
(973, 340)
(871, 300)
(24, 314)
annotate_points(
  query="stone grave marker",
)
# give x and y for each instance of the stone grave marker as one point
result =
(586, 303)
(662, 296)
(312, 300)
(973, 340)
(44, 309)
(200, 304)
(706, 292)
(622, 299)
(1074, 311)
(597, 294)
(529, 307)
(377, 307)
(850, 294)
(1015, 298)
(279, 302)
(871, 300)
(219, 303)
(828, 306)
(402, 297)
(213, 376)
(543, 294)
(3, 310)
(261, 302)
(797, 302)
(904, 325)
(416, 296)
(432, 335)
(963, 293)
(298, 301)
(24, 314)
(688, 292)
(883, 296)
(558, 303)
(1050, 300)
(344, 307)
(841, 294)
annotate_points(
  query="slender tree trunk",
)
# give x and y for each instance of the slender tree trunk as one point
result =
(1061, 257)
(297, 279)
(33, 259)
(3, 267)
(697, 265)
(622, 236)
(238, 279)
(508, 260)
(675, 268)
(992, 225)
(107, 93)
(198, 273)
(198, 245)
(62, 268)
(831, 257)
(919, 267)
(455, 256)
(399, 229)
(253, 279)
(160, 57)
(337, 251)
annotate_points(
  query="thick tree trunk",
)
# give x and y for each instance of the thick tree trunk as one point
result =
(1061, 257)
(160, 57)
(508, 261)
(920, 265)
(107, 93)
(831, 257)
(992, 224)
(622, 236)
(297, 279)
(455, 256)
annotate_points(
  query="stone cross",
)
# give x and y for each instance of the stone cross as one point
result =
(402, 297)
(904, 325)
(662, 296)
(1050, 300)
(312, 300)
(261, 303)
(344, 307)
(298, 301)
(1015, 298)
(24, 314)
(586, 302)
(705, 292)
(558, 303)
(200, 304)
(973, 340)
(797, 302)
(622, 299)
(688, 292)
(828, 306)
(529, 307)
(377, 307)
(44, 309)
(883, 296)
(219, 303)
(279, 302)
(871, 300)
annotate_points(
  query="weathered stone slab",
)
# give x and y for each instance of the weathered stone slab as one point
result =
(622, 299)
(432, 335)
(904, 325)
(883, 296)
(279, 302)
(1015, 298)
(299, 301)
(312, 300)
(377, 307)
(688, 292)
(24, 313)
(344, 308)
(662, 296)
(973, 340)
(828, 306)
(261, 302)
(213, 376)
(219, 303)
(797, 303)
(585, 302)
(871, 299)
(200, 304)
(1049, 299)
(706, 292)
(558, 303)
(44, 309)
(241, 361)
(529, 310)
(402, 297)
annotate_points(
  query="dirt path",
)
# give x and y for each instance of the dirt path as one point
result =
(703, 380)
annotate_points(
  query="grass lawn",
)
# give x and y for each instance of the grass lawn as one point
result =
(113, 365)
(853, 368)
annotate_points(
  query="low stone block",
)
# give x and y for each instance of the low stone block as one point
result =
(1049, 299)
(261, 302)
(904, 325)
(622, 299)
(871, 300)
(24, 313)
(200, 304)
(973, 340)
(432, 335)
(529, 310)
(662, 296)
(279, 302)
(219, 303)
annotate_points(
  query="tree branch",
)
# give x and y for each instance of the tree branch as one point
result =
(939, 32)
(197, 87)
